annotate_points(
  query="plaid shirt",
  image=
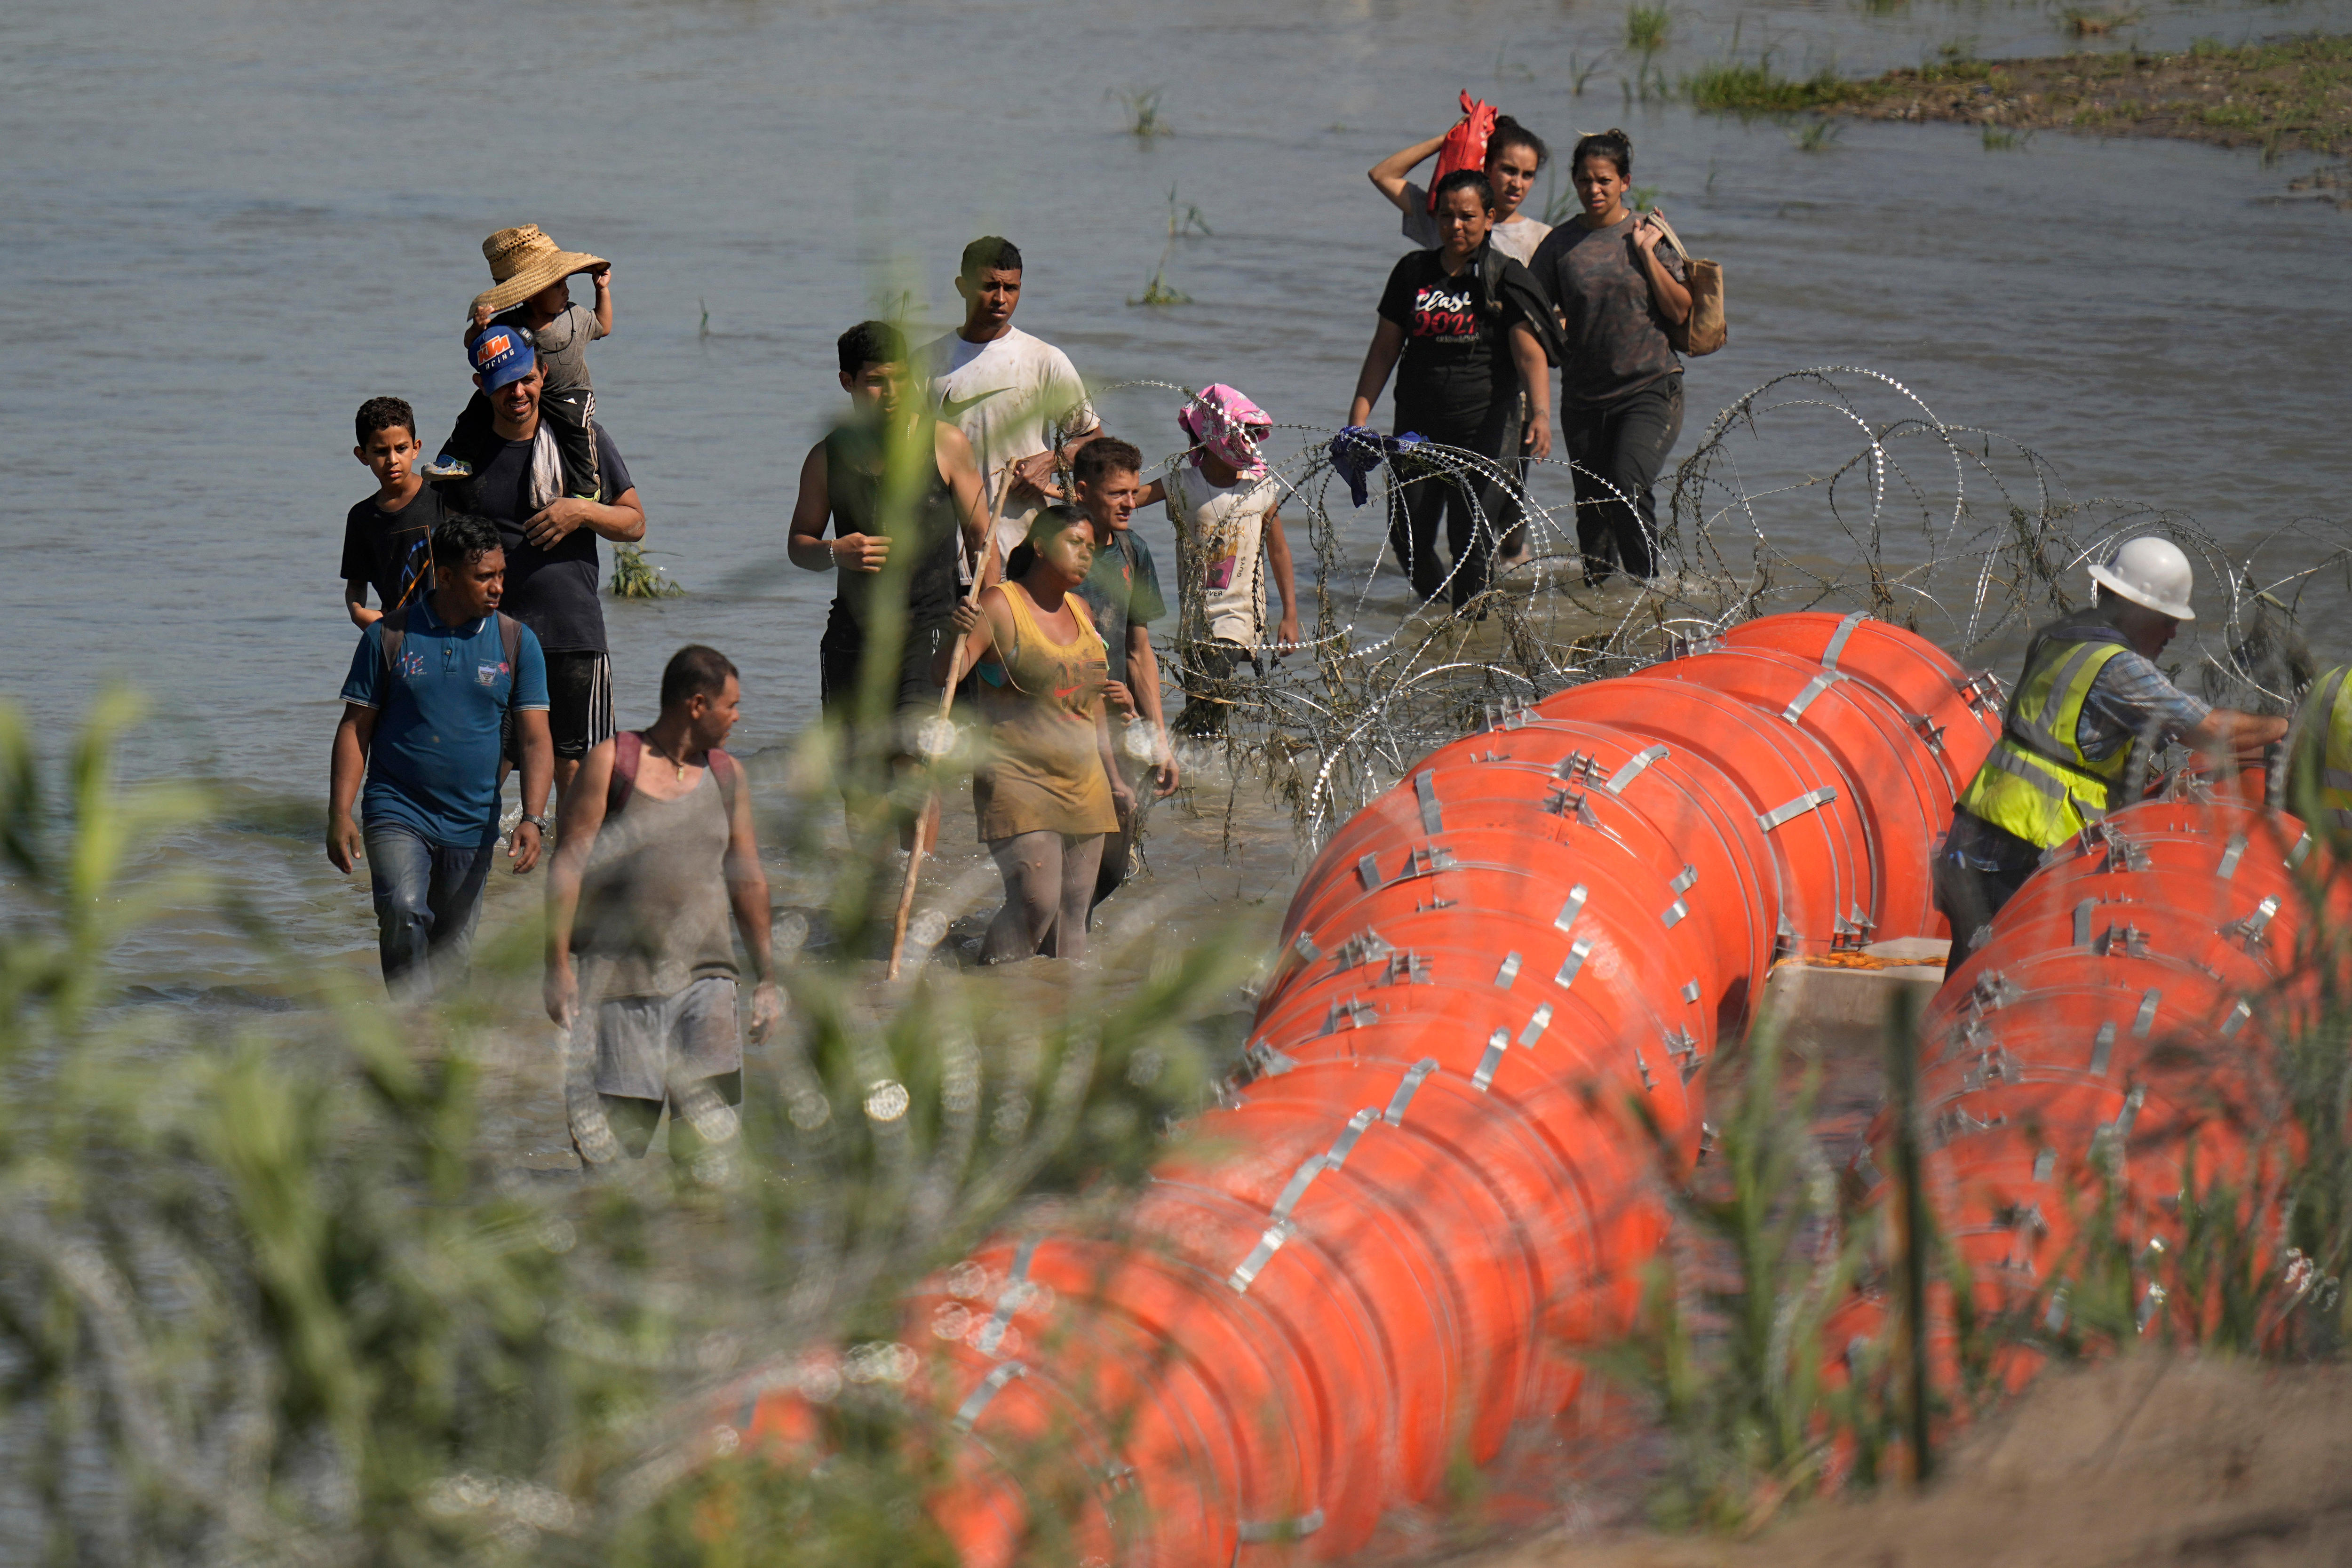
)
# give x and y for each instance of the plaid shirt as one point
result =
(2130, 699)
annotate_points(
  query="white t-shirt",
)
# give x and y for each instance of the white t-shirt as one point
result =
(1007, 395)
(1220, 558)
(1515, 237)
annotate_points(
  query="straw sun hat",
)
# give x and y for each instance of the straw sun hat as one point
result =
(523, 261)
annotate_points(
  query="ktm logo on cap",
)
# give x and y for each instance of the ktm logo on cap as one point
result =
(493, 347)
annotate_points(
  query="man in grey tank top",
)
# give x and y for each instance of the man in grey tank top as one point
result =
(656, 859)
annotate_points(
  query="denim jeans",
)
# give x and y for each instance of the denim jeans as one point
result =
(427, 895)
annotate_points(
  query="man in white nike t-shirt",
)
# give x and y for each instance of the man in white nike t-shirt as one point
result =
(1008, 392)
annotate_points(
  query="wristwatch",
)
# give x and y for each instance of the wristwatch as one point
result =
(541, 823)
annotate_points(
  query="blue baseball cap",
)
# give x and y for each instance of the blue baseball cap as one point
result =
(501, 356)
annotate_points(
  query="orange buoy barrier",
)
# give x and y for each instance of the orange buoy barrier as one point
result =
(1433, 1181)
(2104, 1046)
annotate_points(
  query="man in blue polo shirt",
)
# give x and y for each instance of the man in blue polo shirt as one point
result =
(421, 712)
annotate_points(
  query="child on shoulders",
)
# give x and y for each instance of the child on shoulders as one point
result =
(531, 294)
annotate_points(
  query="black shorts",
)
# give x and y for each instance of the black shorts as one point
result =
(579, 701)
(837, 663)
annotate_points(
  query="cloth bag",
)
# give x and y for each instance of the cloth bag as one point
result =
(1464, 146)
(1704, 331)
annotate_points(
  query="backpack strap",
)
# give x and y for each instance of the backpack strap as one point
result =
(511, 641)
(628, 750)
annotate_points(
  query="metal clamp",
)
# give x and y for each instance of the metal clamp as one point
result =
(1245, 1274)
(1571, 908)
(1837, 639)
(1632, 769)
(1674, 914)
(1003, 1373)
(2144, 1019)
(1795, 711)
(1538, 1022)
(1497, 1044)
(1350, 1012)
(1364, 947)
(1433, 820)
(1266, 1061)
(1578, 952)
(1507, 971)
(2250, 929)
(1407, 1087)
(1789, 811)
(1684, 879)
(1368, 871)
(2237, 1019)
(1255, 1531)
(2230, 856)
(2103, 1047)
(1008, 1301)
(1305, 949)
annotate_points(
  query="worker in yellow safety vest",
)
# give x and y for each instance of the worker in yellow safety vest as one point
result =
(2090, 704)
(2319, 761)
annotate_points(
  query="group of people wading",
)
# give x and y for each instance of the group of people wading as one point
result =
(979, 520)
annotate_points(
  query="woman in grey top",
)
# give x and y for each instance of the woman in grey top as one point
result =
(1620, 386)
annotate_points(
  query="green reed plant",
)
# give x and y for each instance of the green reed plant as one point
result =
(270, 1292)
(1646, 28)
(636, 578)
(1738, 1372)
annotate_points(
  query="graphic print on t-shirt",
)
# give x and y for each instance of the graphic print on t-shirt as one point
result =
(1445, 310)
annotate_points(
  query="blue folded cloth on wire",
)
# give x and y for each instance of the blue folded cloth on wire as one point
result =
(1357, 450)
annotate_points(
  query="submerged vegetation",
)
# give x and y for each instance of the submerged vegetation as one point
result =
(634, 577)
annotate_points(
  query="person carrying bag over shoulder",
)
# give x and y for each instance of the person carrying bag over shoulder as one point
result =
(1630, 300)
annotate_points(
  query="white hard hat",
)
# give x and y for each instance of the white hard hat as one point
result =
(2151, 572)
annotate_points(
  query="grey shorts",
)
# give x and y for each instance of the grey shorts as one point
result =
(649, 1046)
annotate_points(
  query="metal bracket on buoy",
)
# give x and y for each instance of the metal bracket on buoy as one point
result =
(1363, 947)
(2103, 1046)
(1632, 767)
(1407, 1087)
(1433, 820)
(2248, 931)
(1795, 712)
(1497, 1044)
(1682, 1045)
(968, 1413)
(1264, 1061)
(1407, 969)
(1507, 971)
(2128, 940)
(1837, 639)
(1571, 802)
(2230, 856)
(1351, 1012)
(1789, 811)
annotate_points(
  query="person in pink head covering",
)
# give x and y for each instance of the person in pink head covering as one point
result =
(1225, 506)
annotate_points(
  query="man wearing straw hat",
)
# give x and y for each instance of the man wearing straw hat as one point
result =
(531, 293)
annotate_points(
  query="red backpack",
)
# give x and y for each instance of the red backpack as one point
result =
(1465, 146)
(629, 750)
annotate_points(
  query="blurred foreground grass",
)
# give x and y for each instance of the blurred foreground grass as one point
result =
(268, 1295)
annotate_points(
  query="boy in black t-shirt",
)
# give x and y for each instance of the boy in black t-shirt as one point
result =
(388, 538)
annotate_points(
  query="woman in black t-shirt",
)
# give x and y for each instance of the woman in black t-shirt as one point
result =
(1465, 329)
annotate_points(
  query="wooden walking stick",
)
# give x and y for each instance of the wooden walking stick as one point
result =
(947, 707)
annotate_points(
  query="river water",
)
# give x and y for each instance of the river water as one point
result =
(226, 225)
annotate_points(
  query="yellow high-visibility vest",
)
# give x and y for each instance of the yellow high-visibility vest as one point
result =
(2320, 762)
(2037, 784)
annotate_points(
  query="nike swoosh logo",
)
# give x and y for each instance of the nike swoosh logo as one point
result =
(954, 408)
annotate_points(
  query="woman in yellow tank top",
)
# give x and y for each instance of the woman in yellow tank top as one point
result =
(1047, 790)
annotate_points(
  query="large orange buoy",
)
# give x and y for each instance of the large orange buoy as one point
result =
(2101, 1047)
(1434, 1181)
